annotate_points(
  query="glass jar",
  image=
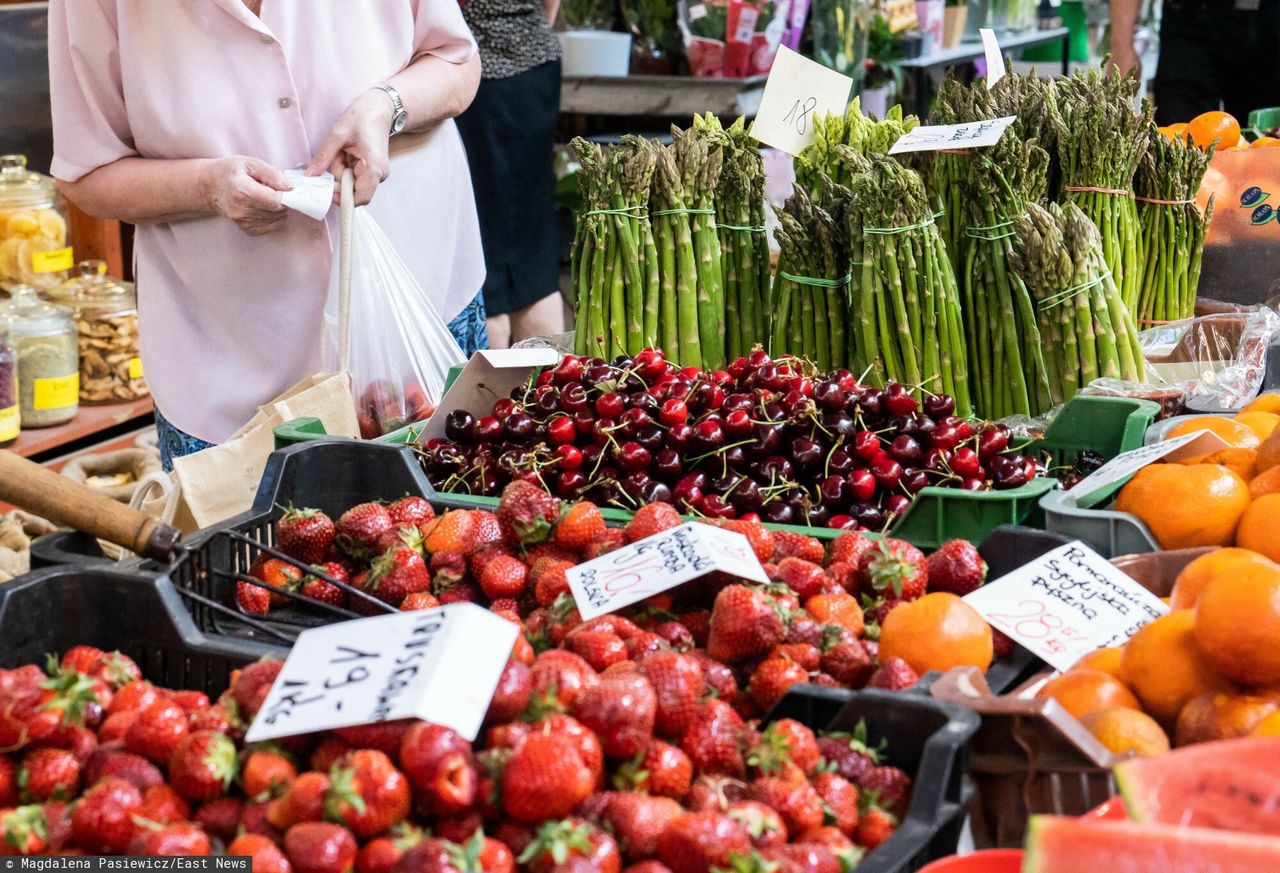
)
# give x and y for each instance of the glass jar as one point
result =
(10, 420)
(33, 228)
(106, 313)
(44, 338)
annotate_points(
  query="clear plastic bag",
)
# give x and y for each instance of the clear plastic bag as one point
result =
(399, 348)
(1220, 359)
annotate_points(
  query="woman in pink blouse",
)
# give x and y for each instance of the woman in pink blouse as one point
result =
(180, 117)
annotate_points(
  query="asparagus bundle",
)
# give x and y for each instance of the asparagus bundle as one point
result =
(744, 243)
(1088, 332)
(947, 172)
(854, 130)
(1171, 225)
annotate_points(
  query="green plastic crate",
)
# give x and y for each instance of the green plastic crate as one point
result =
(1262, 120)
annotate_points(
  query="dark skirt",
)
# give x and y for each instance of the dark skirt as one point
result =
(509, 133)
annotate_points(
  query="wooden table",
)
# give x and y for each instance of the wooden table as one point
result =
(661, 96)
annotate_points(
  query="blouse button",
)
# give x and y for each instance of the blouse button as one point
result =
(285, 102)
(267, 40)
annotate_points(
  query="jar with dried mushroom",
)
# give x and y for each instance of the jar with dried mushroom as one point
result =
(44, 339)
(10, 420)
(106, 313)
(33, 228)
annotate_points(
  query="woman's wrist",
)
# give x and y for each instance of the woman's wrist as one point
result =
(376, 104)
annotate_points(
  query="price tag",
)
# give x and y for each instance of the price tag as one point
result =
(55, 393)
(972, 134)
(441, 665)
(1124, 465)
(10, 424)
(135, 368)
(55, 261)
(658, 563)
(1067, 603)
(746, 28)
(995, 57)
(697, 10)
(797, 93)
(311, 195)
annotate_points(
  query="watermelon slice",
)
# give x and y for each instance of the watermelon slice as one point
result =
(1058, 844)
(1230, 785)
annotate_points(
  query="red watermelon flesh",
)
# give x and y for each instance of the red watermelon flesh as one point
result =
(1229, 785)
(1058, 844)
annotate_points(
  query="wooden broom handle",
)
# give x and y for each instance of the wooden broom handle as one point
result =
(36, 489)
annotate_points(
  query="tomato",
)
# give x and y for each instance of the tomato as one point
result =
(1219, 127)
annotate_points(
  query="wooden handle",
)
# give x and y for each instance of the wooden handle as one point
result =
(31, 487)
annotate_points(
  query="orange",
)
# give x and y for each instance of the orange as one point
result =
(1163, 667)
(1234, 433)
(1204, 569)
(1268, 453)
(1265, 142)
(1084, 691)
(1269, 402)
(1187, 506)
(937, 632)
(1265, 483)
(1260, 528)
(1268, 727)
(1237, 625)
(1242, 462)
(1174, 132)
(1105, 660)
(1261, 423)
(1127, 731)
(1216, 716)
(840, 609)
(1210, 127)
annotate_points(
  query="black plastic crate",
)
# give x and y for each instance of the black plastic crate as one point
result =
(927, 738)
(140, 614)
(66, 547)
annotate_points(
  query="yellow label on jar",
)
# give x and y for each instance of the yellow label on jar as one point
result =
(10, 422)
(135, 368)
(57, 393)
(55, 261)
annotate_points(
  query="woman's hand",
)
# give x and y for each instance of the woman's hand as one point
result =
(359, 140)
(247, 191)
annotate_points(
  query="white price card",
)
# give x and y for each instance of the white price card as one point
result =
(1124, 465)
(441, 665)
(995, 57)
(798, 92)
(311, 195)
(1067, 603)
(658, 563)
(971, 134)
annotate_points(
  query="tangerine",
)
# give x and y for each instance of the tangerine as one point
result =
(1260, 527)
(1165, 669)
(1242, 462)
(1234, 433)
(1268, 453)
(937, 632)
(1261, 423)
(1217, 716)
(1265, 142)
(1081, 692)
(1267, 482)
(1204, 569)
(1268, 727)
(1127, 731)
(1175, 133)
(1208, 128)
(1269, 402)
(1105, 660)
(1187, 506)
(1237, 626)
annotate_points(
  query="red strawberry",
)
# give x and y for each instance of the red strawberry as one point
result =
(305, 534)
(439, 765)
(545, 777)
(102, 821)
(849, 753)
(697, 841)
(613, 538)
(320, 847)
(48, 774)
(157, 731)
(845, 658)
(180, 838)
(133, 696)
(648, 867)
(135, 769)
(621, 710)
(8, 783)
(526, 514)
(650, 519)
(161, 804)
(578, 526)
(841, 799)
(715, 793)
(801, 576)
(571, 844)
(661, 769)
(599, 648)
(255, 819)
(793, 799)
(956, 567)
(250, 685)
(397, 573)
(773, 678)
(744, 622)
(636, 822)
(455, 531)
(385, 736)
(364, 531)
(762, 822)
(761, 538)
(410, 512)
(807, 656)
(23, 831)
(719, 677)
(117, 669)
(266, 774)
(893, 674)
(253, 599)
(326, 592)
(547, 579)
(202, 765)
(895, 568)
(714, 740)
(220, 818)
(419, 600)
(367, 793)
(263, 854)
(190, 701)
(678, 683)
(1001, 643)
(563, 674)
(802, 858)
(216, 718)
(81, 659)
(514, 691)
(786, 748)
(874, 827)
(487, 528)
(503, 576)
(891, 787)
(275, 573)
(461, 593)
(788, 544)
(304, 801)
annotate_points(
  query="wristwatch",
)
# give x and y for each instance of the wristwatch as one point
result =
(401, 118)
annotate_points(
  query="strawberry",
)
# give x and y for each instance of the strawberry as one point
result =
(326, 592)
(455, 531)
(648, 867)
(806, 655)
(801, 576)
(450, 568)
(48, 774)
(714, 740)
(599, 648)
(695, 842)
(8, 783)
(678, 683)
(364, 531)
(161, 804)
(419, 600)
(793, 799)
(180, 838)
(385, 736)
(305, 534)
(571, 844)
(644, 644)
(411, 512)
(788, 544)
(874, 827)
(744, 622)
(102, 820)
(320, 847)
(849, 548)
(956, 567)
(760, 537)
(134, 696)
(514, 691)
(578, 526)
(216, 718)
(220, 818)
(773, 678)
(275, 573)
(890, 786)
(547, 578)
(439, 765)
(487, 528)
(253, 599)
(382, 854)
(249, 686)
(266, 774)
(157, 731)
(562, 674)
(366, 793)
(503, 576)
(845, 658)
(796, 743)
(81, 659)
(190, 701)
(526, 514)
(849, 753)
(202, 765)
(761, 822)
(893, 674)
(661, 769)
(613, 538)
(621, 710)
(651, 519)
(263, 854)
(397, 573)
(719, 677)
(715, 793)
(1001, 643)
(545, 777)
(462, 593)
(23, 831)
(802, 858)
(843, 575)
(304, 801)
(840, 796)
(636, 822)
(135, 769)
(117, 669)
(547, 550)
(894, 568)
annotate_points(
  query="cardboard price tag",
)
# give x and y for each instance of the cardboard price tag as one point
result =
(797, 93)
(995, 57)
(1124, 465)
(1067, 603)
(441, 665)
(488, 375)
(658, 563)
(972, 134)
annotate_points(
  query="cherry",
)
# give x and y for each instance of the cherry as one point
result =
(655, 492)
(634, 419)
(708, 436)
(735, 458)
(758, 359)
(738, 369)
(486, 428)
(720, 378)
(871, 402)
(829, 396)
(737, 424)
(568, 457)
(518, 427)
(768, 440)
(673, 411)
(679, 436)
(816, 515)
(834, 491)
(610, 405)
(1010, 476)
(887, 472)
(745, 402)
(775, 468)
(945, 436)
(689, 490)
(650, 363)
(714, 506)
(801, 384)
(896, 504)
(596, 373)
(898, 401)
(840, 462)
(993, 440)
(584, 421)
(601, 431)
(868, 515)
(866, 444)
(568, 370)
(778, 512)
(842, 522)
(805, 453)
(905, 449)
(636, 483)
(650, 436)
(591, 454)
(547, 401)
(972, 484)
(573, 398)
(668, 464)
(937, 460)
(633, 457)
(569, 484)
(862, 485)
(677, 388)
(691, 374)
(544, 378)
(965, 462)
(841, 424)
(939, 406)
(747, 496)
(914, 480)
(503, 408)
(561, 430)
(458, 426)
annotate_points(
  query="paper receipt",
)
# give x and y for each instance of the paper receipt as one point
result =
(311, 195)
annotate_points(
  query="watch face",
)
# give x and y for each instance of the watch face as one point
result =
(398, 123)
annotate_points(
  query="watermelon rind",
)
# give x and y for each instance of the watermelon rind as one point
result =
(1060, 844)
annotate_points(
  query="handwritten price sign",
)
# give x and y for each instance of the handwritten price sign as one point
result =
(969, 135)
(441, 665)
(659, 563)
(1067, 603)
(1086, 492)
(799, 91)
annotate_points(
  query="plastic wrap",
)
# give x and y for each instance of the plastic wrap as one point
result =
(732, 38)
(400, 348)
(1219, 359)
(561, 342)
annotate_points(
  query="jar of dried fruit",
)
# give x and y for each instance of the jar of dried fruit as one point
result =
(33, 228)
(106, 313)
(10, 420)
(44, 339)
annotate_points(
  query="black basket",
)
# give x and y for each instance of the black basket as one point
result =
(140, 614)
(927, 738)
(67, 547)
(330, 475)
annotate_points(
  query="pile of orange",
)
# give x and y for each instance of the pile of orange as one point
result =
(1216, 128)
(1227, 497)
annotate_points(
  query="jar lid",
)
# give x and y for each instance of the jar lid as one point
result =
(92, 288)
(28, 315)
(22, 187)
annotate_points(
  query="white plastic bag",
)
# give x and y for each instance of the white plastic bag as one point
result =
(398, 348)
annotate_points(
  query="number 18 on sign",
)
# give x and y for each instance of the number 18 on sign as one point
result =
(798, 93)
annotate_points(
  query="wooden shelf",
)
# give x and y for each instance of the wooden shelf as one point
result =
(89, 422)
(665, 96)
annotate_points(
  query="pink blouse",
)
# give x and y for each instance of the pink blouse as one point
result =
(229, 321)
